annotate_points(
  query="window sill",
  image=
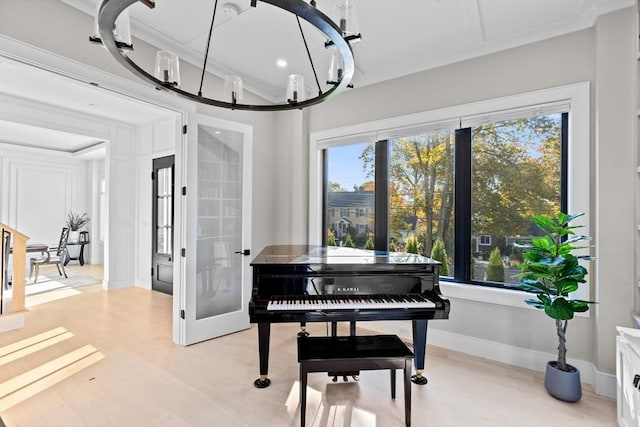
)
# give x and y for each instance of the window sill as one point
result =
(486, 294)
(508, 297)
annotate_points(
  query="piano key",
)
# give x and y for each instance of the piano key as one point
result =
(345, 302)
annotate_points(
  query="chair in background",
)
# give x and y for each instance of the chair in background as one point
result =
(57, 256)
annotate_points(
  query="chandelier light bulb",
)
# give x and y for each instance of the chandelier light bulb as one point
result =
(233, 91)
(295, 89)
(344, 15)
(336, 68)
(167, 68)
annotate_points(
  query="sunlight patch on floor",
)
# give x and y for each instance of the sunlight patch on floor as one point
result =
(30, 383)
(34, 300)
(22, 344)
(25, 351)
(330, 409)
(49, 285)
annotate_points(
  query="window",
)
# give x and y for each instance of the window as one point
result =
(484, 240)
(465, 190)
(348, 188)
(506, 171)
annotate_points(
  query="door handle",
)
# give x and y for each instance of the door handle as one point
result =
(245, 252)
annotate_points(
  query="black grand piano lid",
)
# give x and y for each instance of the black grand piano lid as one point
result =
(305, 254)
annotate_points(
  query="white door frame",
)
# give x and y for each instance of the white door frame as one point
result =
(100, 80)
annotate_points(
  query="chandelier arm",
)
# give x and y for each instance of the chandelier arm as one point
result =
(206, 52)
(306, 46)
(111, 9)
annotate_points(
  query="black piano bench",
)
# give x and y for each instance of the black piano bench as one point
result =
(354, 353)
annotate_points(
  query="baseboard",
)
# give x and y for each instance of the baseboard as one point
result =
(603, 384)
(143, 283)
(116, 284)
(11, 321)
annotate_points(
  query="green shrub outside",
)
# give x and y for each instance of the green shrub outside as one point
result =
(495, 268)
(411, 245)
(348, 241)
(439, 253)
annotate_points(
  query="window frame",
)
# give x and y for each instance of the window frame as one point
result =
(575, 98)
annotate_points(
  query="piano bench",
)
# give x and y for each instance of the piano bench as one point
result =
(355, 353)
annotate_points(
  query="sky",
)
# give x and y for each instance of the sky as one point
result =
(345, 167)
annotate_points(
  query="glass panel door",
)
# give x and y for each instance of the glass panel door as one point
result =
(219, 279)
(218, 285)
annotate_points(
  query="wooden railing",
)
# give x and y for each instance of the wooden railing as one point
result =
(15, 242)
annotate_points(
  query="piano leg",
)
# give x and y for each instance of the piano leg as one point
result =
(303, 331)
(419, 348)
(264, 332)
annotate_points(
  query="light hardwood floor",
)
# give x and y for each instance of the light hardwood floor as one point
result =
(106, 359)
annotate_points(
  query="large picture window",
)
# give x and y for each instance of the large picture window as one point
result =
(513, 171)
(459, 184)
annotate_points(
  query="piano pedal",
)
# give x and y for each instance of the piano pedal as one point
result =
(355, 375)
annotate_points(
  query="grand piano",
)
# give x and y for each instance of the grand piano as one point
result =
(300, 283)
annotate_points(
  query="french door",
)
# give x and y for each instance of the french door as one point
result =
(216, 229)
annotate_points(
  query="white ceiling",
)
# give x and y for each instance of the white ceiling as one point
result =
(400, 37)
(20, 81)
(39, 137)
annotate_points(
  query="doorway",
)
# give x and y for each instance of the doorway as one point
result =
(162, 224)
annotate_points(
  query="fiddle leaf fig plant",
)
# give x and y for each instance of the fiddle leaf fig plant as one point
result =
(552, 271)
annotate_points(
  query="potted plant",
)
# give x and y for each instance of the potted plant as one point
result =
(552, 271)
(75, 222)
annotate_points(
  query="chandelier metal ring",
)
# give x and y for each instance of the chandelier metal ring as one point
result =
(111, 9)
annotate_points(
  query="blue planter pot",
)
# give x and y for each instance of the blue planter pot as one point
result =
(561, 384)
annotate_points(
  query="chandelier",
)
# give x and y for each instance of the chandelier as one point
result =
(112, 31)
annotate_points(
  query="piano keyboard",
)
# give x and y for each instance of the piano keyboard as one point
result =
(347, 302)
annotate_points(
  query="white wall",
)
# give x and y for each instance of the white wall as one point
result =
(37, 189)
(613, 181)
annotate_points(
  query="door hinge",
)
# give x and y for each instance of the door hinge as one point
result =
(151, 271)
(184, 252)
(153, 175)
(182, 315)
(184, 191)
(184, 129)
